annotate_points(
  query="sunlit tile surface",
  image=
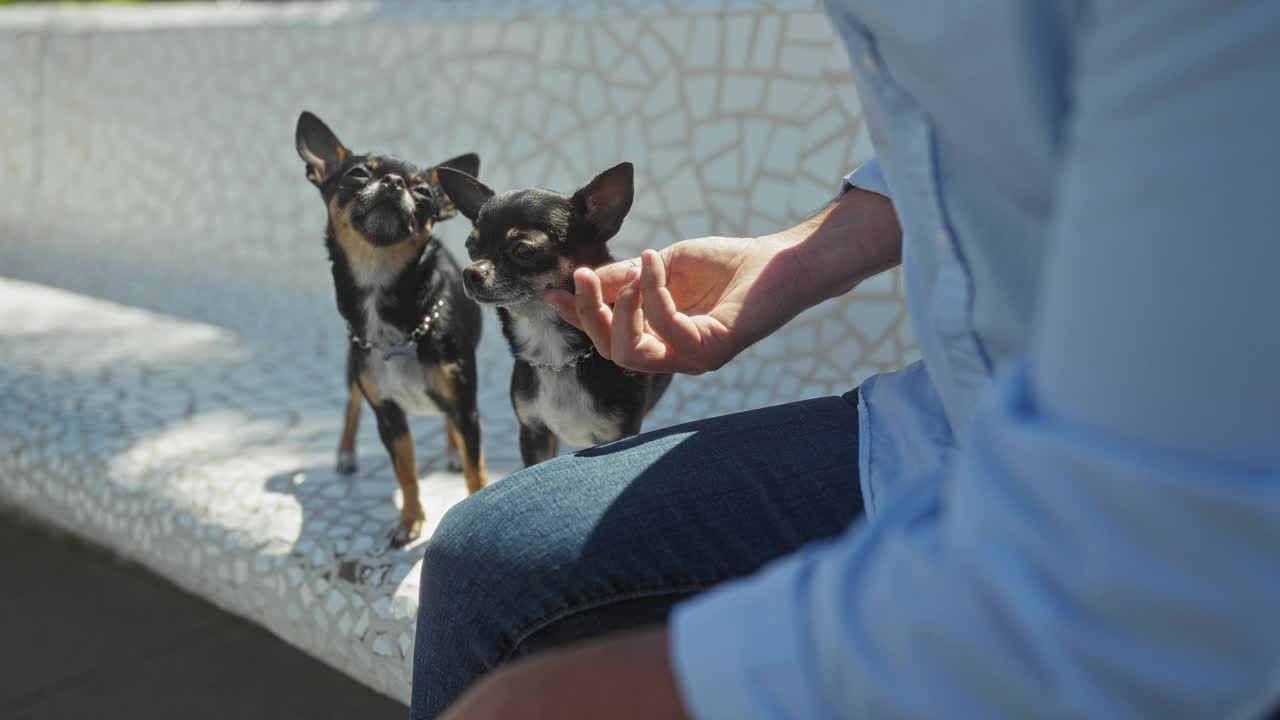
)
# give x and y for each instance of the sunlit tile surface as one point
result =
(150, 162)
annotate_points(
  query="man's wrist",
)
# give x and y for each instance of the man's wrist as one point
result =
(855, 237)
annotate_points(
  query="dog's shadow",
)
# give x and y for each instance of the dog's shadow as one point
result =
(347, 520)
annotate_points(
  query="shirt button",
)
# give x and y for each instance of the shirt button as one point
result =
(870, 64)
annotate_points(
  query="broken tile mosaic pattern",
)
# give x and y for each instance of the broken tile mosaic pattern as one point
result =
(190, 422)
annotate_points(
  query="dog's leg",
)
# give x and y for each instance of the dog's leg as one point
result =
(453, 460)
(537, 444)
(453, 388)
(351, 423)
(393, 427)
(351, 420)
(466, 435)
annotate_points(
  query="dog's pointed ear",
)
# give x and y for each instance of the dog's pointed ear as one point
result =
(468, 163)
(318, 147)
(606, 200)
(466, 193)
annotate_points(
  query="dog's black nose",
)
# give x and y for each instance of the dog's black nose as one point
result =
(393, 181)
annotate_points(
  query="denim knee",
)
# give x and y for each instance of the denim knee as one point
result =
(491, 570)
(464, 621)
(484, 561)
(466, 544)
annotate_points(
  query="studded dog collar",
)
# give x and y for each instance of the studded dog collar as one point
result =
(409, 347)
(563, 366)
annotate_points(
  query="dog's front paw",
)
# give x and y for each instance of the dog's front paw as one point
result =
(346, 461)
(453, 459)
(407, 531)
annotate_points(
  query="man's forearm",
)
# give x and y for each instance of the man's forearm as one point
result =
(855, 237)
(622, 676)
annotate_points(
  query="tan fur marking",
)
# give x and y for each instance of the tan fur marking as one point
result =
(567, 266)
(402, 462)
(373, 164)
(368, 260)
(341, 152)
(443, 380)
(411, 513)
(369, 388)
(475, 473)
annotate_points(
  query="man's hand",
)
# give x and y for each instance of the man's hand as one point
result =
(694, 305)
(620, 677)
(680, 310)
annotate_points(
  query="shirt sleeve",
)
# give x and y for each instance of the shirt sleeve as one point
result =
(867, 177)
(1104, 543)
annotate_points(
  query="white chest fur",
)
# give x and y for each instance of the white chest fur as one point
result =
(535, 328)
(559, 402)
(401, 378)
(568, 410)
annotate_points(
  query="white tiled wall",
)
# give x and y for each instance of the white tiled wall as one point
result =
(146, 157)
(156, 166)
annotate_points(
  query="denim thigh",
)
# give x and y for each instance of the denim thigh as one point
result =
(611, 537)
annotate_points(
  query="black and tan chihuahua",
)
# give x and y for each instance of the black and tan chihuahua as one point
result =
(524, 242)
(413, 332)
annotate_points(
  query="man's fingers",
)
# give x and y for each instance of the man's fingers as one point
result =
(565, 303)
(615, 276)
(595, 317)
(642, 331)
(628, 321)
(633, 347)
(675, 328)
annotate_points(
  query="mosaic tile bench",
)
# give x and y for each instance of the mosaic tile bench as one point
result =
(149, 161)
(210, 460)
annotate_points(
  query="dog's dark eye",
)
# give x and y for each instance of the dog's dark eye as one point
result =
(522, 252)
(360, 173)
(471, 248)
(422, 194)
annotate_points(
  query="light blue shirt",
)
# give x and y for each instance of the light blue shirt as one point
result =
(1075, 511)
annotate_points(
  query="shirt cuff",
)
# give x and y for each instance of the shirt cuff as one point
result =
(728, 664)
(867, 177)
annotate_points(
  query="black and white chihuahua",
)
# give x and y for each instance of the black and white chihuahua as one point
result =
(413, 331)
(524, 242)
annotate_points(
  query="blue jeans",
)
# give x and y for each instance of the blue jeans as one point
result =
(612, 537)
